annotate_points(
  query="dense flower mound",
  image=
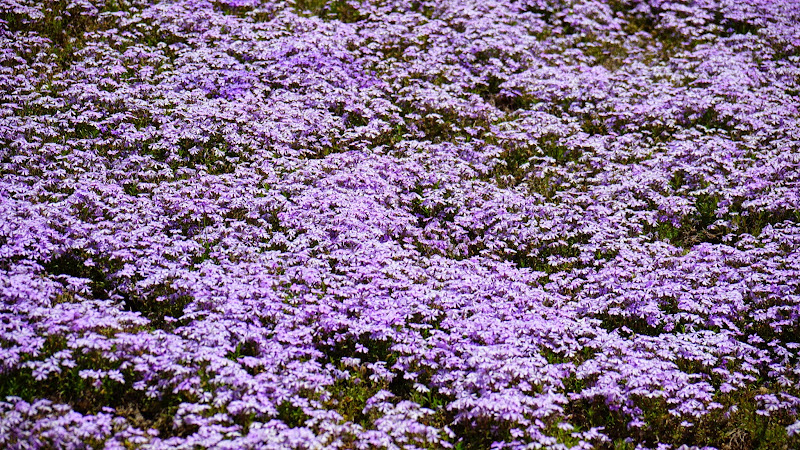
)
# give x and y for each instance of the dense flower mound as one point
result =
(400, 224)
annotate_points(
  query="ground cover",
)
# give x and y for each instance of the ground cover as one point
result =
(400, 224)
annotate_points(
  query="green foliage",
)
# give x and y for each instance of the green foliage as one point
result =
(492, 93)
(163, 308)
(480, 434)
(87, 396)
(71, 263)
(63, 23)
(553, 357)
(699, 226)
(753, 222)
(734, 426)
(247, 347)
(293, 416)
(695, 228)
(547, 185)
(340, 10)
(349, 396)
(539, 259)
(160, 306)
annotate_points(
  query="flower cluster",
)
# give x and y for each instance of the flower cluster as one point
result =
(399, 224)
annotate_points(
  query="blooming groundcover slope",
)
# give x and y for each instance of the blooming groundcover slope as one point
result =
(400, 224)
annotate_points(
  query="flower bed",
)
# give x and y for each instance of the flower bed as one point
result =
(400, 224)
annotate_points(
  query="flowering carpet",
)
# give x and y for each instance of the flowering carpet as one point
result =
(400, 224)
